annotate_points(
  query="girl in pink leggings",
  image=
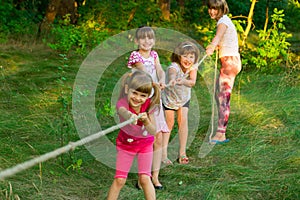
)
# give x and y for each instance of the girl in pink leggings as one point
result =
(136, 140)
(226, 40)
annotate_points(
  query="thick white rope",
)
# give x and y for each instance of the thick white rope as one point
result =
(213, 97)
(71, 146)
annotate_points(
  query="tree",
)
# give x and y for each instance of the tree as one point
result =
(249, 22)
(60, 8)
(165, 8)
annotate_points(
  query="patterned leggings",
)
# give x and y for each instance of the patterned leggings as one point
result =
(230, 67)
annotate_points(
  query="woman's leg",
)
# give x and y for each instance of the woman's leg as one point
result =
(231, 66)
(182, 118)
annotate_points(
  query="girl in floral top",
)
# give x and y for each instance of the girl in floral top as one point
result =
(147, 60)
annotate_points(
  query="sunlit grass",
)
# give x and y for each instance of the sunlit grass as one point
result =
(261, 161)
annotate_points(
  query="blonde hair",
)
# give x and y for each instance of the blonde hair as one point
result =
(185, 48)
(220, 5)
(141, 82)
(143, 32)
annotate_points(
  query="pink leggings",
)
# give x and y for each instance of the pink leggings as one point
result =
(126, 154)
(230, 67)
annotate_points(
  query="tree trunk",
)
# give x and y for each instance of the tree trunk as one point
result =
(181, 4)
(249, 22)
(267, 16)
(58, 8)
(165, 9)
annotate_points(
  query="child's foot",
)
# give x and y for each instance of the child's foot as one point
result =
(183, 160)
(167, 161)
(219, 138)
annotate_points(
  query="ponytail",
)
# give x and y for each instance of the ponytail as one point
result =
(155, 99)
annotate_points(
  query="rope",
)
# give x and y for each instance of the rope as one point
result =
(213, 97)
(71, 146)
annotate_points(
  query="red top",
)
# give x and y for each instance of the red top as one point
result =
(136, 132)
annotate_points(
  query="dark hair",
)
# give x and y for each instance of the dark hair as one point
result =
(141, 82)
(185, 48)
(220, 5)
(144, 31)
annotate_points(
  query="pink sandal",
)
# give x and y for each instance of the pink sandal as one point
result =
(183, 159)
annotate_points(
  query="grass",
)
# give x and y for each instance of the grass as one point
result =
(262, 160)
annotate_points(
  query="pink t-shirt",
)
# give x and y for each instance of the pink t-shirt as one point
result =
(131, 134)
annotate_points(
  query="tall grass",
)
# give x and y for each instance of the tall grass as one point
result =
(262, 160)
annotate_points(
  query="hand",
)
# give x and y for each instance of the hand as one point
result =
(162, 85)
(180, 81)
(172, 82)
(210, 50)
(144, 118)
(132, 117)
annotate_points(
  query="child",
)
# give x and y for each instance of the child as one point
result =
(136, 139)
(147, 60)
(226, 40)
(181, 77)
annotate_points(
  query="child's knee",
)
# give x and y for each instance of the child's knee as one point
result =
(144, 179)
(120, 182)
(158, 139)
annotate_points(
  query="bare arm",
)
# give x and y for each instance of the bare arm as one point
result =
(149, 122)
(172, 76)
(189, 82)
(160, 73)
(221, 28)
(126, 114)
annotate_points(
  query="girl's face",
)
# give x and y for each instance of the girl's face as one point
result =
(136, 99)
(213, 13)
(146, 43)
(187, 60)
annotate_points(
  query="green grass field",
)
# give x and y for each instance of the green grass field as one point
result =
(262, 160)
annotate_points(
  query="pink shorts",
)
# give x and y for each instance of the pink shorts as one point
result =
(126, 154)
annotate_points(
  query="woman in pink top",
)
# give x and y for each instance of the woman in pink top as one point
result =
(147, 60)
(136, 140)
(226, 40)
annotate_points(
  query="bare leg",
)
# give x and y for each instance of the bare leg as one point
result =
(115, 188)
(157, 154)
(182, 129)
(166, 136)
(148, 188)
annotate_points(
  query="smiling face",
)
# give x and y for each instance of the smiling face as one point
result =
(136, 99)
(213, 13)
(146, 43)
(187, 60)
